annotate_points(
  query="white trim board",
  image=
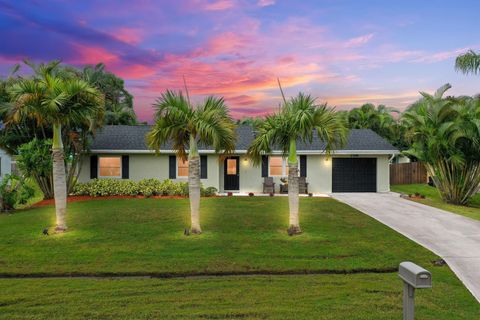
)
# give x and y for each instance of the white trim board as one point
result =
(299, 152)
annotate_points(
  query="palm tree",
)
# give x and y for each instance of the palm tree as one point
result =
(208, 124)
(299, 119)
(445, 135)
(468, 62)
(48, 98)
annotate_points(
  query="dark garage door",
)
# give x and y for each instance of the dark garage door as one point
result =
(354, 175)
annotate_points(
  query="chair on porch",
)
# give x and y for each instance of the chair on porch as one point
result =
(268, 185)
(302, 185)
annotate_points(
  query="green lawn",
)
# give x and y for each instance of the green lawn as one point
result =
(433, 199)
(242, 236)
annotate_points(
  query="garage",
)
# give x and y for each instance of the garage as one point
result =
(354, 175)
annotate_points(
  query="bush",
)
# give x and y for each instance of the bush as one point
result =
(209, 191)
(35, 160)
(14, 190)
(145, 187)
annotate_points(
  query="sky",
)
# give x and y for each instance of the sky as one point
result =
(344, 52)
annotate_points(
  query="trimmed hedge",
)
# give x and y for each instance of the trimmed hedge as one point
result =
(145, 187)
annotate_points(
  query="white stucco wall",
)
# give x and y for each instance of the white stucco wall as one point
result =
(5, 163)
(154, 166)
(383, 173)
(319, 172)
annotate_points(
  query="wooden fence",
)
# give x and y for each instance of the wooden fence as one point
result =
(408, 173)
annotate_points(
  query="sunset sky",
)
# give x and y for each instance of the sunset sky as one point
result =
(343, 52)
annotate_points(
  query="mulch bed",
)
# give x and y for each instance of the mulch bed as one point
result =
(48, 202)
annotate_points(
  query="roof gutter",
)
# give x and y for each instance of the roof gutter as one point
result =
(300, 152)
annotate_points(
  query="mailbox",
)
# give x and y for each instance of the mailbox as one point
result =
(415, 275)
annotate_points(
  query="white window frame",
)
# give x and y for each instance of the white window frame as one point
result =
(176, 170)
(109, 177)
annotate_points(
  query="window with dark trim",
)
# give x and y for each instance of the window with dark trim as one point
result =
(182, 168)
(109, 167)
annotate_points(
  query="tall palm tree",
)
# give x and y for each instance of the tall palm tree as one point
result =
(469, 62)
(299, 120)
(207, 124)
(445, 135)
(53, 100)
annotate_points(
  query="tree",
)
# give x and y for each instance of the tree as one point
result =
(249, 121)
(51, 98)
(299, 119)
(445, 135)
(118, 101)
(208, 124)
(468, 62)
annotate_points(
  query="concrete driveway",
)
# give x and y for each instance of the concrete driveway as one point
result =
(453, 237)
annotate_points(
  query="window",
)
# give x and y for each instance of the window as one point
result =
(276, 165)
(110, 167)
(231, 166)
(182, 168)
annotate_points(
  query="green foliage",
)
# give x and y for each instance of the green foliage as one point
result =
(35, 160)
(13, 190)
(145, 187)
(468, 62)
(380, 120)
(300, 118)
(118, 101)
(445, 135)
(208, 191)
(208, 124)
(52, 95)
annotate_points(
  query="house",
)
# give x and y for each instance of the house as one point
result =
(5, 163)
(362, 165)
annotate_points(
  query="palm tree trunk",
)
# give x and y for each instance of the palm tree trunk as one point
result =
(294, 223)
(59, 181)
(194, 186)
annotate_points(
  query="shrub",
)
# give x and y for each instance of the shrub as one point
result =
(35, 160)
(250, 194)
(14, 190)
(209, 191)
(145, 187)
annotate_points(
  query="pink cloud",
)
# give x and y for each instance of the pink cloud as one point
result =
(359, 41)
(92, 55)
(219, 5)
(128, 35)
(265, 3)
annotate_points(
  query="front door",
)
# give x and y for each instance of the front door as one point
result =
(231, 173)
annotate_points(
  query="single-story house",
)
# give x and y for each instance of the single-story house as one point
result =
(362, 165)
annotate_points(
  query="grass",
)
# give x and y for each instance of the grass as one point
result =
(242, 236)
(433, 199)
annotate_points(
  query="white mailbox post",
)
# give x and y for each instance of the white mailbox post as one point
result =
(414, 277)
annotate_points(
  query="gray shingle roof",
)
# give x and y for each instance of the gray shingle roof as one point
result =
(133, 138)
